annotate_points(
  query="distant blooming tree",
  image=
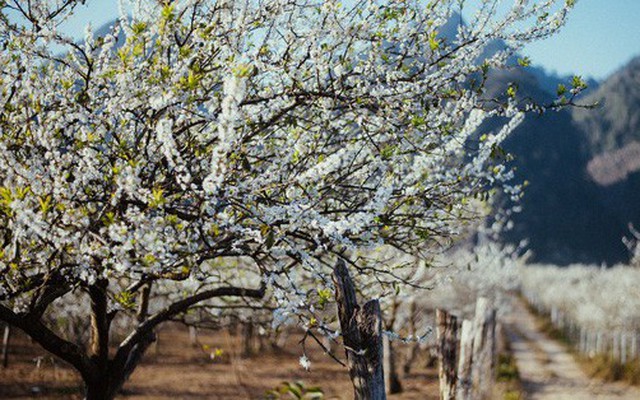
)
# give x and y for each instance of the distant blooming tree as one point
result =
(282, 133)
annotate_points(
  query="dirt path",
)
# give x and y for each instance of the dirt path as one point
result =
(547, 371)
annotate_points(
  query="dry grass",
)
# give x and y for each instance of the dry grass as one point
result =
(508, 385)
(174, 369)
(608, 370)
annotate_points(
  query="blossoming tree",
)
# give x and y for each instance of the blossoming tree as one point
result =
(283, 133)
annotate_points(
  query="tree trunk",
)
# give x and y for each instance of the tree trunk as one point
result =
(361, 336)
(447, 336)
(99, 347)
(103, 385)
(139, 349)
(391, 379)
(98, 380)
(6, 338)
(97, 392)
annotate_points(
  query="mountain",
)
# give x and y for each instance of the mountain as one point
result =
(616, 122)
(583, 168)
(562, 209)
(612, 133)
(563, 216)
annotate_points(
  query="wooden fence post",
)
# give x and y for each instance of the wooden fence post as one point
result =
(361, 337)
(248, 339)
(412, 349)
(193, 336)
(6, 338)
(391, 380)
(447, 336)
(484, 349)
(616, 346)
(476, 363)
(623, 348)
(465, 361)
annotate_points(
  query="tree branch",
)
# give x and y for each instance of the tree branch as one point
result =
(67, 351)
(146, 327)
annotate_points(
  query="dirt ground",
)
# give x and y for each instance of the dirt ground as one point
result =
(176, 369)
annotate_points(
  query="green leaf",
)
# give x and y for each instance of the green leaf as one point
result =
(167, 12)
(434, 43)
(296, 390)
(578, 83)
(243, 70)
(387, 152)
(324, 296)
(157, 198)
(45, 204)
(139, 27)
(561, 90)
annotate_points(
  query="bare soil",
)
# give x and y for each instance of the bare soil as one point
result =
(176, 369)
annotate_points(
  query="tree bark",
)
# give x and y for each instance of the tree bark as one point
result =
(37, 331)
(99, 350)
(98, 391)
(119, 376)
(361, 336)
(102, 384)
(447, 336)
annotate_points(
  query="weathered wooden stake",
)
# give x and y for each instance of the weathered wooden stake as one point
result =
(247, 338)
(465, 361)
(361, 337)
(193, 336)
(447, 334)
(391, 380)
(484, 349)
(412, 349)
(6, 338)
(623, 348)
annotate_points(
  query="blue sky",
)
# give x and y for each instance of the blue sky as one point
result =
(600, 36)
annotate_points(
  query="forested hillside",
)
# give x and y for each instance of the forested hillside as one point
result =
(584, 187)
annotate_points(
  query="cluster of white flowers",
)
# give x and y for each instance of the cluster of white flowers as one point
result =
(597, 308)
(460, 277)
(593, 297)
(283, 132)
